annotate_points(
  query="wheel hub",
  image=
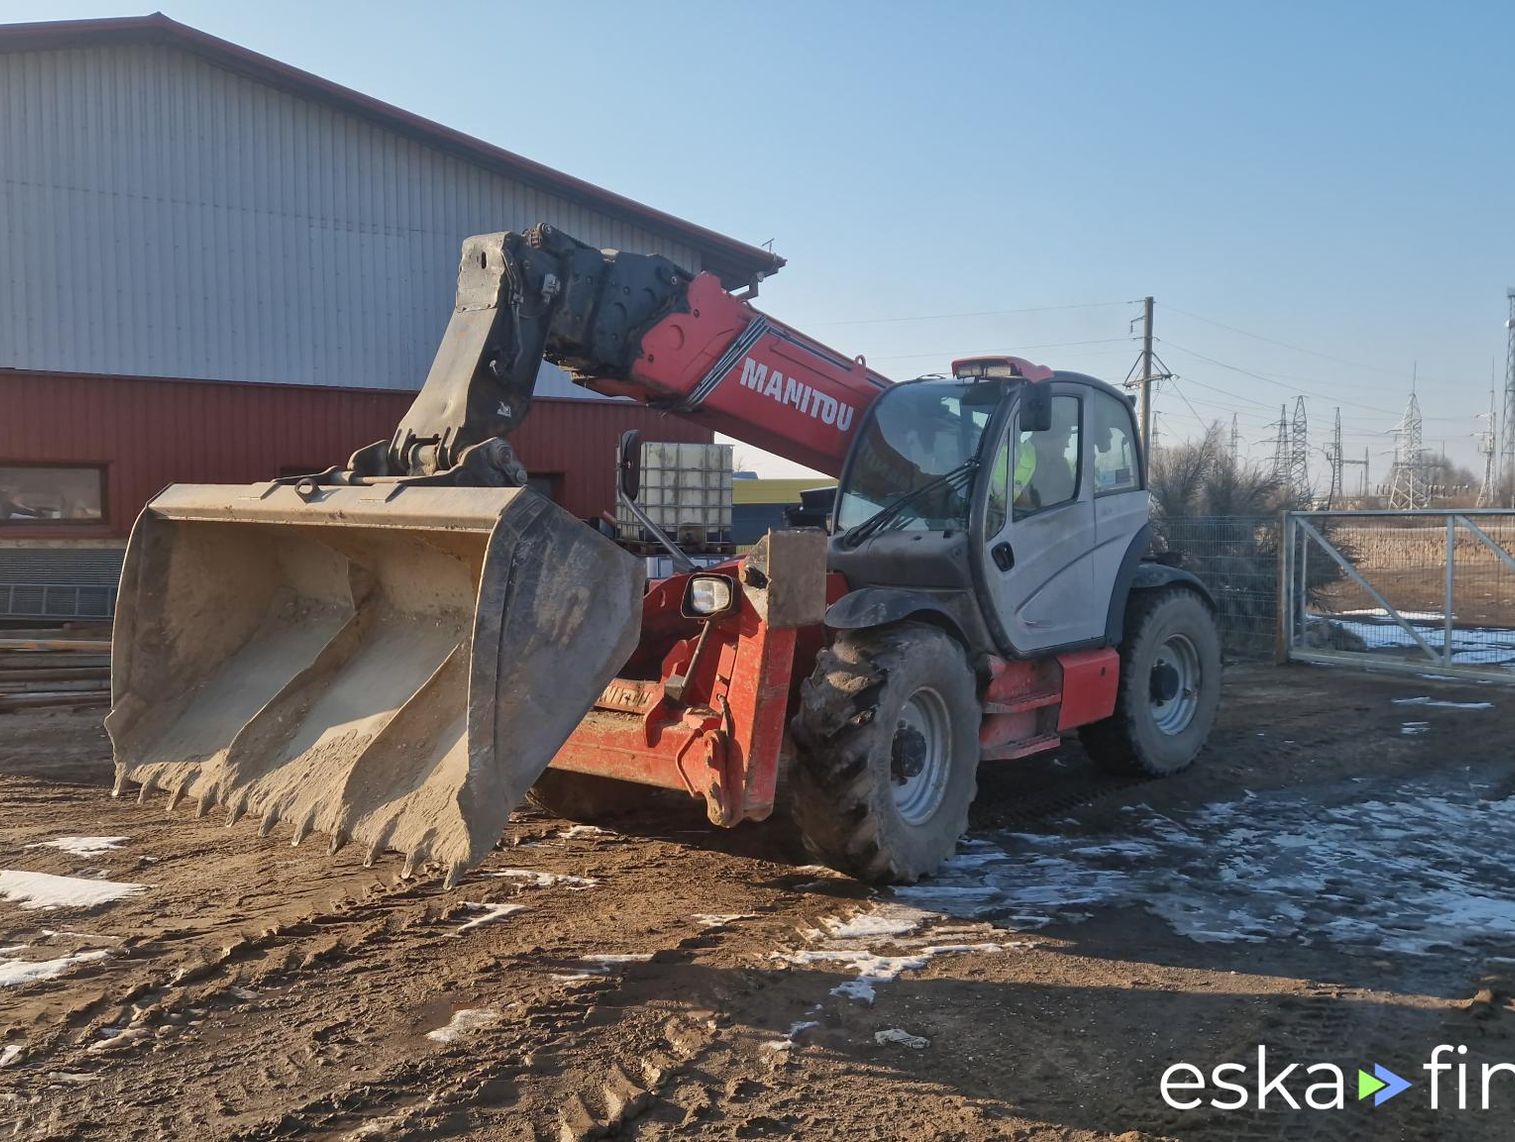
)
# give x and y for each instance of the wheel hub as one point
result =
(1174, 685)
(921, 756)
(909, 753)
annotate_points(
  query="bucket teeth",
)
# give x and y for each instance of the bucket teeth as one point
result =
(302, 829)
(202, 806)
(372, 855)
(270, 819)
(339, 839)
(235, 810)
(408, 868)
(142, 791)
(120, 784)
(175, 795)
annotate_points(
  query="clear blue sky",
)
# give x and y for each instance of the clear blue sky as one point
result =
(1339, 177)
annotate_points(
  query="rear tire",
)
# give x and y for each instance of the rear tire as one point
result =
(1169, 687)
(886, 752)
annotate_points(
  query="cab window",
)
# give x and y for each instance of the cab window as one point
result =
(1113, 433)
(1034, 471)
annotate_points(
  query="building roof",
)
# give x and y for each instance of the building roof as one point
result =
(736, 263)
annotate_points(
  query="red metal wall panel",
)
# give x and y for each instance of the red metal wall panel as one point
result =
(150, 433)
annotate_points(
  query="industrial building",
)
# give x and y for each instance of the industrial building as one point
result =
(215, 267)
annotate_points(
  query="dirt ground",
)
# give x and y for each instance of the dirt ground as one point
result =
(1330, 881)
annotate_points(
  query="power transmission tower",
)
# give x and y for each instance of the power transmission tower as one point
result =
(1407, 476)
(1281, 453)
(1488, 491)
(1299, 450)
(1235, 442)
(1337, 461)
(1507, 473)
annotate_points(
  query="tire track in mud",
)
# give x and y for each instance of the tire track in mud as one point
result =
(320, 1003)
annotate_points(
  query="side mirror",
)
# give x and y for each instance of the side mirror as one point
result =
(1036, 407)
(628, 462)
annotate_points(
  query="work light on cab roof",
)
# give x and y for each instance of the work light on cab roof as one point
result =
(970, 368)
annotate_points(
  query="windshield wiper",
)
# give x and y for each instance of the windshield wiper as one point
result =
(890, 511)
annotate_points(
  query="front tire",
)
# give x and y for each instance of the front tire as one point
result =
(1169, 687)
(886, 752)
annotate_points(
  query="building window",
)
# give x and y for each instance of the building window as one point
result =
(32, 494)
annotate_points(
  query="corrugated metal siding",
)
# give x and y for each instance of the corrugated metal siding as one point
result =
(161, 216)
(151, 433)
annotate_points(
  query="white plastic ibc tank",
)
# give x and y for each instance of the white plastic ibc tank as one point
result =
(686, 490)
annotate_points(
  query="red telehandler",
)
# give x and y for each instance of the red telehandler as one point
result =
(394, 652)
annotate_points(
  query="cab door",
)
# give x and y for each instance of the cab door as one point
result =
(1121, 503)
(1038, 536)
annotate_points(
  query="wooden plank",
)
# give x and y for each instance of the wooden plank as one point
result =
(76, 645)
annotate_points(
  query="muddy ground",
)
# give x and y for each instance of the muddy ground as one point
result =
(1332, 880)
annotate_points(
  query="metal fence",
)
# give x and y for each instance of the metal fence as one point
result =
(1237, 558)
(56, 601)
(1412, 592)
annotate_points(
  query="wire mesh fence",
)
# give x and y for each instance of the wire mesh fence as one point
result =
(1418, 591)
(1237, 557)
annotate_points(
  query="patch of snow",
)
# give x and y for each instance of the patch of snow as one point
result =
(487, 914)
(51, 932)
(43, 890)
(545, 879)
(1409, 729)
(1408, 616)
(9, 1054)
(883, 921)
(1442, 704)
(82, 846)
(607, 962)
(872, 968)
(898, 1036)
(14, 973)
(720, 920)
(788, 1041)
(573, 832)
(465, 1021)
(1414, 871)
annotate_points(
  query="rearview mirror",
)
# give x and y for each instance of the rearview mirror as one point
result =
(628, 463)
(1036, 407)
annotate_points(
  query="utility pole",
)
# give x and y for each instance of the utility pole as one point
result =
(1146, 377)
(1507, 475)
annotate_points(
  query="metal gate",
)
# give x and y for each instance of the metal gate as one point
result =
(1416, 592)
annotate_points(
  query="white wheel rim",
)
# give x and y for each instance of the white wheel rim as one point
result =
(1173, 715)
(921, 756)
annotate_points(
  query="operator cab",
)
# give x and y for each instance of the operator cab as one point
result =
(1000, 501)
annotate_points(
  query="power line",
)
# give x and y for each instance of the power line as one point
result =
(1284, 385)
(1282, 344)
(1020, 348)
(978, 313)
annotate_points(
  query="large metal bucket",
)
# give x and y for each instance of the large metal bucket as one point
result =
(389, 664)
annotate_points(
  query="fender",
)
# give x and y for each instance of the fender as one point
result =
(1138, 574)
(869, 607)
(1144, 577)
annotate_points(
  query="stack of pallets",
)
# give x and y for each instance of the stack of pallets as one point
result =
(53, 669)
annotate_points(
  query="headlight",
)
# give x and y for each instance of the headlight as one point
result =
(709, 595)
